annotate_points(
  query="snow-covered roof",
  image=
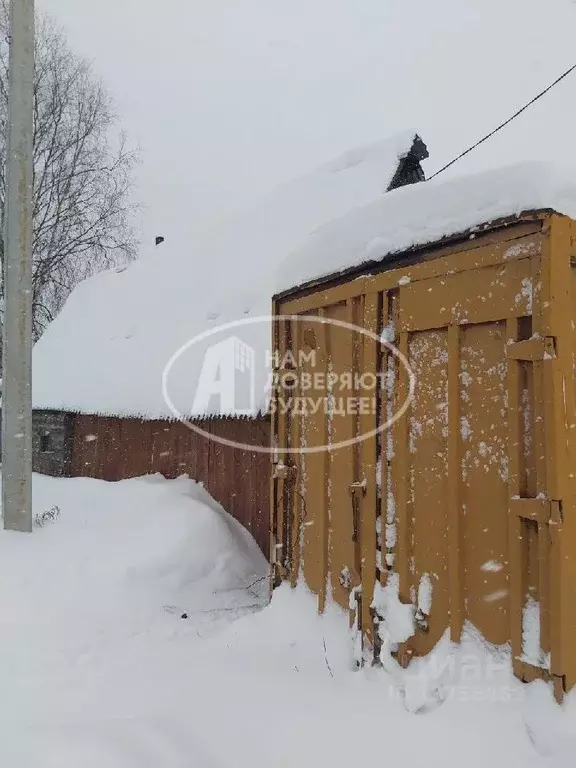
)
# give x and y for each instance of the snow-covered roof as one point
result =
(106, 351)
(425, 213)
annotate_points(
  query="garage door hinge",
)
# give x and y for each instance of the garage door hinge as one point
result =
(536, 349)
(541, 510)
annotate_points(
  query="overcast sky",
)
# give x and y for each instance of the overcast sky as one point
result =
(228, 98)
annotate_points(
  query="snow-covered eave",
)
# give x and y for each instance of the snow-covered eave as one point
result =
(388, 259)
(140, 416)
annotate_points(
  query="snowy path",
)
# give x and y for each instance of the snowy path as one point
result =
(97, 671)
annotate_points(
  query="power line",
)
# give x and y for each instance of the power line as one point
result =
(506, 122)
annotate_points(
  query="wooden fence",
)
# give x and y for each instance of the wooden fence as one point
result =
(115, 449)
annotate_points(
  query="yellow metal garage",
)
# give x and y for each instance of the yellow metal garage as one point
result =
(468, 499)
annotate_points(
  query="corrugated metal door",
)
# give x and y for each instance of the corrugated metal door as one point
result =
(452, 473)
(462, 498)
(320, 493)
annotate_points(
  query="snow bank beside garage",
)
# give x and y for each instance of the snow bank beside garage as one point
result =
(425, 213)
(147, 543)
(99, 669)
(461, 705)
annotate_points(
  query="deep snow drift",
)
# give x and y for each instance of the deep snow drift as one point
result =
(99, 669)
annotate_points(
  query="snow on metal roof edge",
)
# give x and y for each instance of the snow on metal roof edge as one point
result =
(380, 263)
(420, 215)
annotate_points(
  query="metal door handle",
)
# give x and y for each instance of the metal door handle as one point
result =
(355, 489)
(358, 486)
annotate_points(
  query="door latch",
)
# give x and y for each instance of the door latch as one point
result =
(356, 490)
(283, 471)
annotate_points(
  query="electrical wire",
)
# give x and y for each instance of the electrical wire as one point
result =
(506, 122)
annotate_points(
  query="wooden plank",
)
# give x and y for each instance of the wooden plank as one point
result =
(484, 486)
(504, 247)
(556, 628)
(456, 575)
(324, 298)
(386, 438)
(360, 527)
(549, 542)
(368, 459)
(428, 505)
(313, 529)
(558, 321)
(343, 463)
(324, 468)
(479, 296)
(528, 349)
(297, 506)
(273, 499)
(539, 415)
(89, 450)
(544, 581)
(528, 673)
(281, 429)
(515, 534)
(356, 314)
(531, 509)
(556, 461)
(401, 479)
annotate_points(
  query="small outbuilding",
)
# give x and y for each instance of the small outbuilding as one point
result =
(425, 476)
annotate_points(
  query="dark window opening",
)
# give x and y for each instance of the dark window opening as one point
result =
(46, 442)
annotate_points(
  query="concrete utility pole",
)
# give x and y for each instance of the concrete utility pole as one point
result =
(17, 331)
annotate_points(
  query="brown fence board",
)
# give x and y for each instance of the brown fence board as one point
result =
(116, 449)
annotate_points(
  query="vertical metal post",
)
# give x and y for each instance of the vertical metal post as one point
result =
(17, 331)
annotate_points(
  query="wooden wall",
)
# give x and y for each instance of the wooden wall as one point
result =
(115, 449)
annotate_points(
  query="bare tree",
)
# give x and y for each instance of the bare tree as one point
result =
(83, 171)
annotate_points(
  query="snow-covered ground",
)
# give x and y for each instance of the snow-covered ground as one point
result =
(98, 667)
